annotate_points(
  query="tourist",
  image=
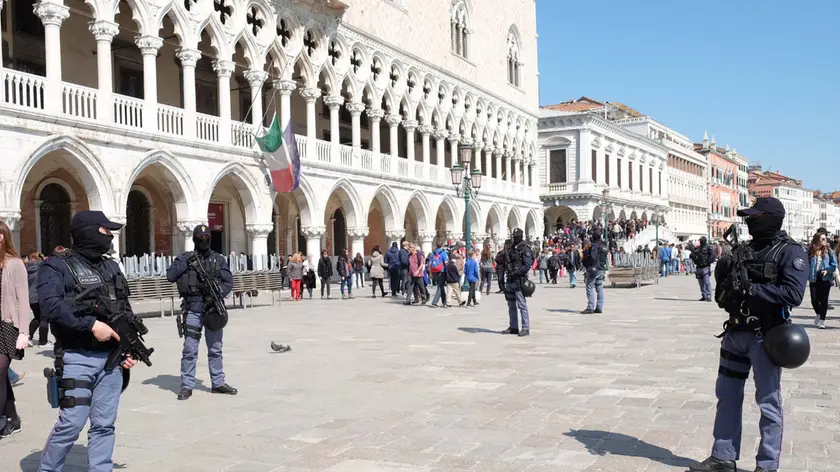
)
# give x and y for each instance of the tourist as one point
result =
(14, 325)
(392, 259)
(359, 270)
(325, 273)
(437, 264)
(821, 276)
(309, 276)
(376, 269)
(344, 268)
(545, 255)
(414, 282)
(404, 277)
(452, 278)
(471, 273)
(686, 259)
(486, 266)
(595, 262)
(296, 276)
(41, 324)
(573, 261)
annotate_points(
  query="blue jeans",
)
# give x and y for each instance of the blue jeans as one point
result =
(194, 323)
(348, 281)
(105, 399)
(665, 268)
(740, 351)
(594, 286)
(572, 277)
(704, 279)
(13, 376)
(675, 266)
(543, 273)
(518, 305)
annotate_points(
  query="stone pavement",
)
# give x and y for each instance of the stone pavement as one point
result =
(372, 386)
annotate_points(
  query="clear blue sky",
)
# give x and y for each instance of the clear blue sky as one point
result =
(761, 75)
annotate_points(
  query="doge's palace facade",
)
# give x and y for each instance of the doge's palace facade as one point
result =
(145, 109)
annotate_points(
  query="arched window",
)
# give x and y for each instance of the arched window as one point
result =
(514, 64)
(460, 29)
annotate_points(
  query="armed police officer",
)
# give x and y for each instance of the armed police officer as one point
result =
(757, 284)
(89, 362)
(187, 270)
(595, 263)
(703, 256)
(518, 261)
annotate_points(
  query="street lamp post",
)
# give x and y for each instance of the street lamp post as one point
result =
(605, 208)
(467, 182)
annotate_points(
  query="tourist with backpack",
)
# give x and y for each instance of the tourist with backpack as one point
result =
(436, 267)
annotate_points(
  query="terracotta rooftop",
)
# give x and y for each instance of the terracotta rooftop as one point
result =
(580, 104)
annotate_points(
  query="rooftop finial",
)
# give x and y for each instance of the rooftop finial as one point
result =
(705, 139)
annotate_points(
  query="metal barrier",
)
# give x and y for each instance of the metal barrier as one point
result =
(634, 269)
(151, 265)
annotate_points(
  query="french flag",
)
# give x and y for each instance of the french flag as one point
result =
(281, 156)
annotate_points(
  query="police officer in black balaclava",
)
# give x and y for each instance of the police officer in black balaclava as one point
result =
(193, 307)
(774, 282)
(519, 259)
(703, 256)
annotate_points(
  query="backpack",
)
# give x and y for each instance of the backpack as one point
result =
(437, 263)
(487, 265)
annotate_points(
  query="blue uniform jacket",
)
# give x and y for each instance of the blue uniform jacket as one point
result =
(195, 303)
(791, 280)
(70, 323)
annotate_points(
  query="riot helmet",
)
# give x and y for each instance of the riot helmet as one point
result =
(787, 345)
(528, 288)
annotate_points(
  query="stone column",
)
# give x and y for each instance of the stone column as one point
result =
(224, 69)
(453, 147)
(410, 126)
(290, 241)
(285, 88)
(393, 121)
(374, 116)
(104, 32)
(356, 110)
(52, 15)
(314, 235)
(310, 95)
(507, 158)
(12, 220)
(584, 166)
(149, 46)
(440, 147)
(334, 103)
(499, 163)
(256, 79)
(357, 240)
(477, 147)
(189, 58)
(259, 244)
(394, 236)
(425, 130)
(487, 166)
(426, 241)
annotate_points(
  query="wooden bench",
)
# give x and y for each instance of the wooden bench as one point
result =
(153, 288)
(633, 275)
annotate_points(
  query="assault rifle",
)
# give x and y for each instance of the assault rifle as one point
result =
(215, 312)
(735, 285)
(130, 330)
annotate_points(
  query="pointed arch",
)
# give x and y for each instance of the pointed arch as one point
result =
(493, 224)
(514, 218)
(306, 200)
(217, 38)
(391, 211)
(139, 12)
(94, 177)
(420, 205)
(532, 224)
(246, 185)
(450, 213)
(278, 62)
(350, 201)
(307, 73)
(475, 217)
(177, 178)
(250, 50)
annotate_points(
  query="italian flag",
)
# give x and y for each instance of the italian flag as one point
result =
(281, 156)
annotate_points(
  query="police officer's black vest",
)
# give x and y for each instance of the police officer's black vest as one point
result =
(516, 257)
(763, 268)
(189, 285)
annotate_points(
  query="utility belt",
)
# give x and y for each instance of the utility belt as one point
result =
(58, 386)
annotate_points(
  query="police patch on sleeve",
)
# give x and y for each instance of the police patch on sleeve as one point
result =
(799, 264)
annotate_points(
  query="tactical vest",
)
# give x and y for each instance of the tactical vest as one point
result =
(90, 283)
(516, 258)
(189, 284)
(763, 268)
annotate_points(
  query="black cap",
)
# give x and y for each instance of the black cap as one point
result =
(87, 218)
(201, 231)
(764, 206)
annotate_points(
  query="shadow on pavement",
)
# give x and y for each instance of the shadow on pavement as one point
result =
(601, 443)
(478, 330)
(562, 310)
(693, 300)
(78, 455)
(172, 383)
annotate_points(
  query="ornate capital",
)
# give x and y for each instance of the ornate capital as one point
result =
(455, 236)
(393, 120)
(310, 94)
(11, 218)
(355, 108)
(441, 133)
(394, 234)
(454, 137)
(119, 219)
(52, 14)
(256, 78)
(313, 232)
(426, 129)
(410, 125)
(187, 226)
(188, 57)
(259, 230)
(149, 45)
(224, 68)
(285, 87)
(467, 142)
(375, 114)
(104, 30)
(334, 102)
(359, 232)
(426, 236)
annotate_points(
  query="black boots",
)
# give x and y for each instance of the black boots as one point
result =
(225, 390)
(713, 464)
(184, 394)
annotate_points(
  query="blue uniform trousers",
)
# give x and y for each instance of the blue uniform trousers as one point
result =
(194, 323)
(594, 288)
(518, 304)
(704, 278)
(739, 351)
(105, 399)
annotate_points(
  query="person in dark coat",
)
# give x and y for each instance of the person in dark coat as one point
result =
(392, 259)
(325, 273)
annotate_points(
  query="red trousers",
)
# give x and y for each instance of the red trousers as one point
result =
(296, 294)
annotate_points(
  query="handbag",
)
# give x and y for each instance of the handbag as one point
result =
(8, 338)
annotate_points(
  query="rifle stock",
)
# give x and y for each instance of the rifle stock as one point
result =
(131, 333)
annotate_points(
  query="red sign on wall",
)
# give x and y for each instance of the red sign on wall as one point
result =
(216, 216)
